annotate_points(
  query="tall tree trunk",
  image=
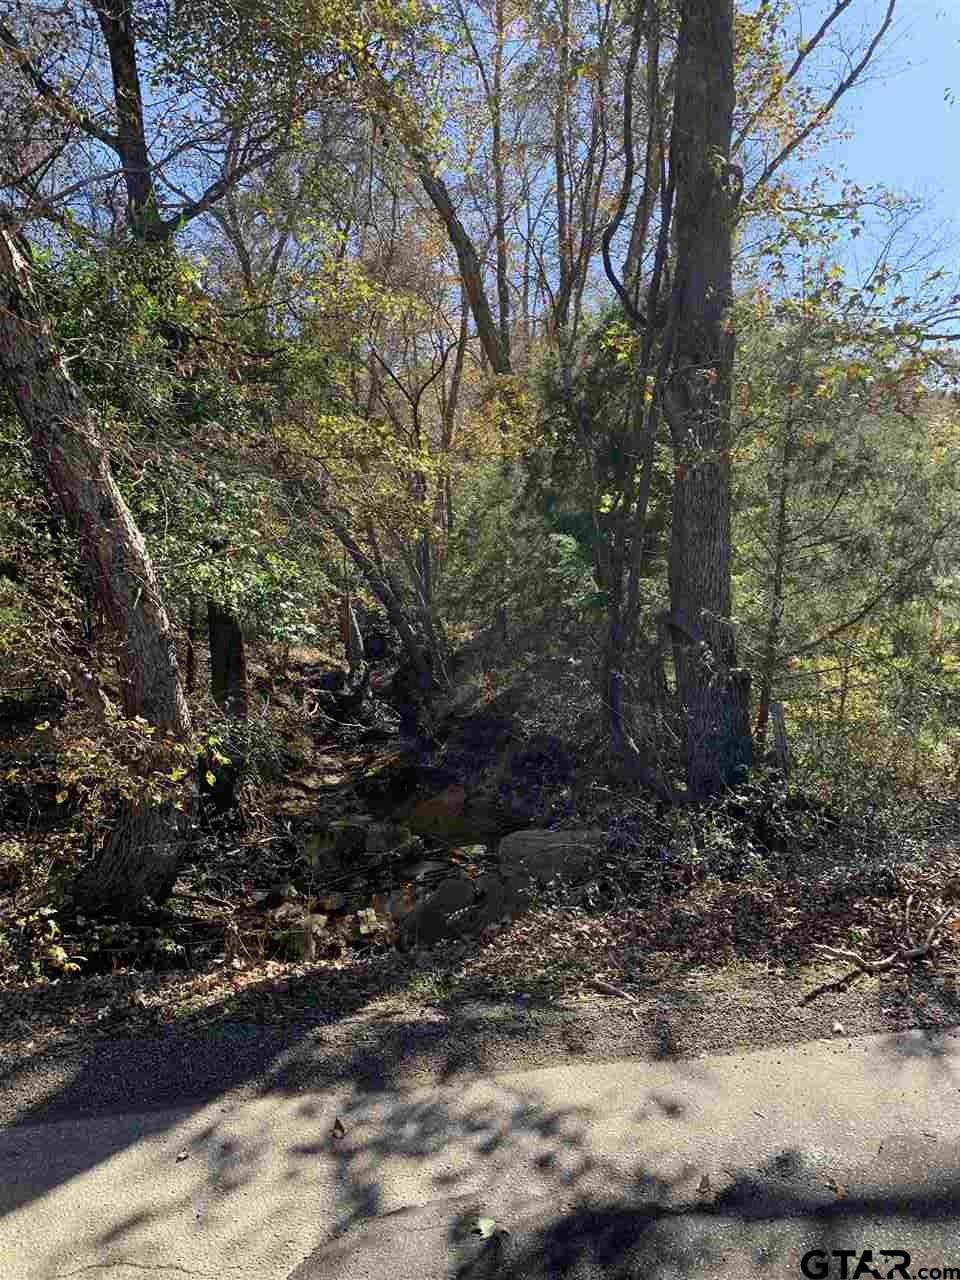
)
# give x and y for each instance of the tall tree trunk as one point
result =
(499, 184)
(141, 856)
(713, 693)
(560, 114)
(770, 654)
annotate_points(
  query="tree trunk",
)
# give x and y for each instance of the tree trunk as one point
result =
(499, 184)
(142, 854)
(770, 655)
(350, 634)
(713, 693)
(228, 684)
(228, 661)
(471, 272)
(143, 216)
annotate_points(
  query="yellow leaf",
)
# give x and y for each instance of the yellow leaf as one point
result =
(43, 726)
(210, 779)
(177, 774)
(60, 797)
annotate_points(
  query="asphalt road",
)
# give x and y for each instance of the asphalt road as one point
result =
(741, 1165)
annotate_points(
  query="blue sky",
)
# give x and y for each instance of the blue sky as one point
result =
(906, 134)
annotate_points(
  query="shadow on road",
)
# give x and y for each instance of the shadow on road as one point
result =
(656, 1169)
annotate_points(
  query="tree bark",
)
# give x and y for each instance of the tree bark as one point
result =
(228, 684)
(141, 856)
(499, 183)
(190, 678)
(228, 661)
(713, 692)
(770, 655)
(471, 273)
(143, 215)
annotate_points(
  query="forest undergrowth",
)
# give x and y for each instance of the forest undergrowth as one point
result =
(756, 884)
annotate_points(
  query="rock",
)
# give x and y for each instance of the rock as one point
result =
(499, 898)
(401, 902)
(385, 837)
(320, 852)
(542, 855)
(438, 815)
(349, 835)
(454, 817)
(343, 838)
(431, 920)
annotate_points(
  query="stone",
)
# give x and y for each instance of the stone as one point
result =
(343, 839)
(385, 837)
(431, 921)
(438, 815)
(349, 835)
(499, 898)
(401, 902)
(542, 855)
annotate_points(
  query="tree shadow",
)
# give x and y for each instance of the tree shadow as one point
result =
(623, 1171)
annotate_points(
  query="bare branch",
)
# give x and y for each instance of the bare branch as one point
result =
(820, 116)
(22, 59)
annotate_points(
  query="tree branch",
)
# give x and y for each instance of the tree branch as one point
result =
(29, 69)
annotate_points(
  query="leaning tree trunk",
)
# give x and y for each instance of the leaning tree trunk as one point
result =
(141, 855)
(713, 693)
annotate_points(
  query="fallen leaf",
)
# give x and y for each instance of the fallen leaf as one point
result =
(704, 1186)
(183, 1155)
(338, 1129)
(838, 1029)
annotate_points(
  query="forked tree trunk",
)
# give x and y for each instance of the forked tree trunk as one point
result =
(713, 693)
(141, 855)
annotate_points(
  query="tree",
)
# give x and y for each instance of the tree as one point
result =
(142, 854)
(845, 502)
(105, 112)
(713, 693)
